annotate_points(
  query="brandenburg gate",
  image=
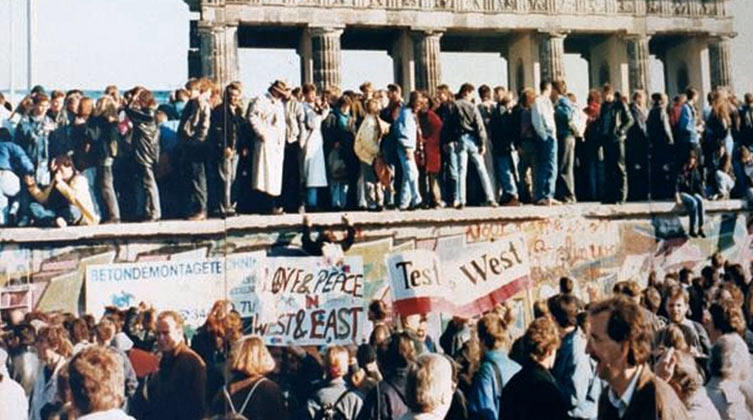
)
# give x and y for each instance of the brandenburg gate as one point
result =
(616, 37)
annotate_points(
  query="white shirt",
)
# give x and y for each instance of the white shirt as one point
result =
(621, 403)
(542, 117)
(13, 402)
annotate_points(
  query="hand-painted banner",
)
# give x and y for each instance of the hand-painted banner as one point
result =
(315, 301)
(416, 283)
(487, 274)
(187, 286)
(470, 284)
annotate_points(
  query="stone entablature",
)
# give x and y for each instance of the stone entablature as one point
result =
(617, 37)
(664, 8)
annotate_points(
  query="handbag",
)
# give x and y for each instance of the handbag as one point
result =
(383, 172)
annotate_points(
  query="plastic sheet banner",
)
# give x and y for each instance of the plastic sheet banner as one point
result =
(316, 301)
(189, 287)
(469, 284)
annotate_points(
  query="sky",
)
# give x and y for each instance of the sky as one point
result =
(90, 44)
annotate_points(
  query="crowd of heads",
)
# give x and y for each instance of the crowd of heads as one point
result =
(686, 333)
(209, 151)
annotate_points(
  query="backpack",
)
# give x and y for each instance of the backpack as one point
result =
(331, 411)
(239, 413)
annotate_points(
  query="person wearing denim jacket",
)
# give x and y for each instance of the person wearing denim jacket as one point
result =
(406, 131)
(686, 131)
(572, 368)
(484, 397)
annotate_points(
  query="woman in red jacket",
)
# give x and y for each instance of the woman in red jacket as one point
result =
(429, 153)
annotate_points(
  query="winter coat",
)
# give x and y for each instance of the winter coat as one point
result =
(145, 136)
(368, 136)
(267, 117)
(177, 390)
(431, 132)
(314, 167)
(266, 402)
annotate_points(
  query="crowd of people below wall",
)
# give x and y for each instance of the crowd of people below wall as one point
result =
(68, 159)
(679, 348)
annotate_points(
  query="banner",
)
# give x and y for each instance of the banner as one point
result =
(189, 287)
(470, 284)
(486, 274)
(315, 301)
(416, 283)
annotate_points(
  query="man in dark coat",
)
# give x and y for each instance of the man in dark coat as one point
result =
(177, 391)
(636, 150)
(226, 128)
(620, 343)
(614, 122)
(533, 392)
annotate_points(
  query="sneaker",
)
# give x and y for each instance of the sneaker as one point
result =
(60, 222)
(491, 203)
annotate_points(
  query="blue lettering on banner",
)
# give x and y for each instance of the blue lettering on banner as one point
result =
(163, 270)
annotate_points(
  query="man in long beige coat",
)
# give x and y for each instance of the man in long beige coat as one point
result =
(267, 117)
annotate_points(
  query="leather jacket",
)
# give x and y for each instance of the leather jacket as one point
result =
(615, 121)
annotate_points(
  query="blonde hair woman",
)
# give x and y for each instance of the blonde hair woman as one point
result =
(249, 392)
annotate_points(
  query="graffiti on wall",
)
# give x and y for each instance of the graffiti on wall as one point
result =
(597, 252)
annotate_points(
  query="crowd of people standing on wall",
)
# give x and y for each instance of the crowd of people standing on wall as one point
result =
(679, 348)
(70, 159)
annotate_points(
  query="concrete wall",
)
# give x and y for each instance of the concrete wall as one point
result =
(597, 245)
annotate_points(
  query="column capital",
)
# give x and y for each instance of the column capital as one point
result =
(637, 36)
(427, 31)
(331, 30)
(722, 37)
(554, 33)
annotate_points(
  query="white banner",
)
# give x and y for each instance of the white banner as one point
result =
(316, 302)
(188, 287)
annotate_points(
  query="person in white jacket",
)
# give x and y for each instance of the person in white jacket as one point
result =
(314, 171)
(13, 402)
(366, 147)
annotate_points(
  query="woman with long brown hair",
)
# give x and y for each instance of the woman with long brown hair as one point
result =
(214, 340)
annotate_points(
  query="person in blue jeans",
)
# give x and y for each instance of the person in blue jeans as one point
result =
(542, 119)
(502, 136)
(406, 131)
(689, 192)
(496, 370)
(13, 162)
(470, 137)
(686, 131)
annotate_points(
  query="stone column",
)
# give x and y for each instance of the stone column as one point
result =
(426, 52)
(720, 63)
(523, 61)
(552, 56)
(639, 63)
(326, 57)
(218, 49)
(403, 63)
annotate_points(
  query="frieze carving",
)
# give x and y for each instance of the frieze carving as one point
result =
(682, 8)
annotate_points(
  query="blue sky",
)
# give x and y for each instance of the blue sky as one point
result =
(93, 43)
